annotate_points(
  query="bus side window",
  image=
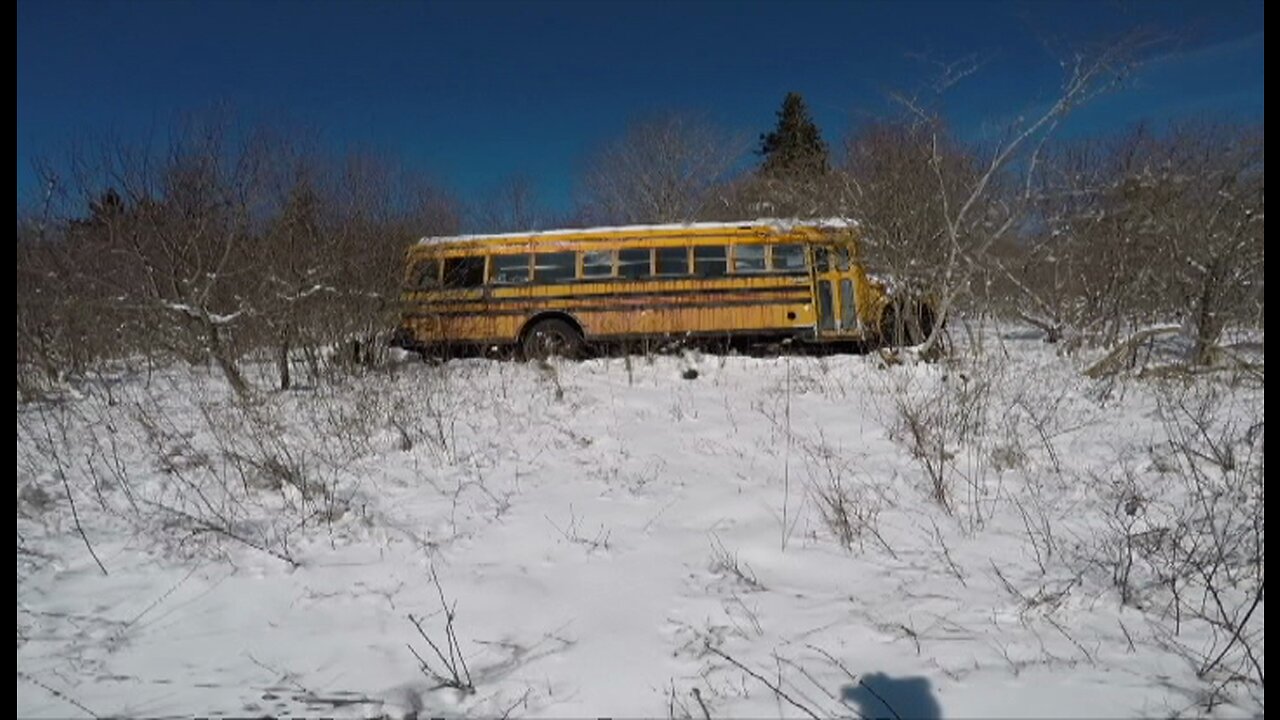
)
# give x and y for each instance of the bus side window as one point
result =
(748, 258)
(553, 267)
(710, 261)
(464, 272)
(510, 269)
(672, 260)
(597, 264)
(426, 275)
(633, 263)
(788, 258)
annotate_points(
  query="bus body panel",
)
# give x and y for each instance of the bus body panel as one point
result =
(761, 299)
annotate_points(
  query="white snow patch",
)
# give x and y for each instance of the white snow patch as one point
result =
(772, 224)
(606, 532)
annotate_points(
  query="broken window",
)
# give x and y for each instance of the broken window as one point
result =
(597, 264)
(463, 272)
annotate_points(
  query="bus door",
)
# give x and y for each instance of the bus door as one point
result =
(834, 290)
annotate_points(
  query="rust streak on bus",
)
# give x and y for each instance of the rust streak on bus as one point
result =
(556, 291)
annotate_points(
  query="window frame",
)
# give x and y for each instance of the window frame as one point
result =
(492, 269)
(764, 259)
(444, 274)
(582, 265)
(804, 259)
(657, 271)
(416, 274)
(618, 264)
(722, 261)
(535, 278)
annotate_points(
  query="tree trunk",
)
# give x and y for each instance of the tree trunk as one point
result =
(282, 361)
(225, 362)
(1208, 321)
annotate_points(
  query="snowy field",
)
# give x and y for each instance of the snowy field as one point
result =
(804, 536)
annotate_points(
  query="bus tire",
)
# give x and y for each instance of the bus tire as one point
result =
(552, 337)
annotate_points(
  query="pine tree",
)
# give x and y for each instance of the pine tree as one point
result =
(795, 147)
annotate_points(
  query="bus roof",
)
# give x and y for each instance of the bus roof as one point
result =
(770, 224)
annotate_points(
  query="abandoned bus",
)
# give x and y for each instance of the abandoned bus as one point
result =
(556, 292)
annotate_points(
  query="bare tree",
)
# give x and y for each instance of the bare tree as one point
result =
(228, 241)
(511, 206)
(983, 205)
(661, 169)
(899, 177)
(1149, 228)
(169, 246)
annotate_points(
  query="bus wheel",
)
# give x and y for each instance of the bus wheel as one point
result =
(552, 337)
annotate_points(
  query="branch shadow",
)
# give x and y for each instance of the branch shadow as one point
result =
(881, 697)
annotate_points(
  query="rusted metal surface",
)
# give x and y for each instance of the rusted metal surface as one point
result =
(777, 300)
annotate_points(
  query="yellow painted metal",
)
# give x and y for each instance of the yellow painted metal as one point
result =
(618, 308)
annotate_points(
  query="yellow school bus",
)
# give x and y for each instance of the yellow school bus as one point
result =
(559, 291)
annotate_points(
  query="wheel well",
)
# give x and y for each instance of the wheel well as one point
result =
(551, 315)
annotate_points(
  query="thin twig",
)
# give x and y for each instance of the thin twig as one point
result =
(877, 696)
(777, 690)
(697, 695)
(58, 694)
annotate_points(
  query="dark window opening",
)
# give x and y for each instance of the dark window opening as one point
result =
(463, 272)
(633, 264)
(844, 257)
(822, 259)
(848, 305)
(672, 261)
(709, 261)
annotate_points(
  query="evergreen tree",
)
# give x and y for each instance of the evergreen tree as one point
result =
(109, 206)
(795, 148)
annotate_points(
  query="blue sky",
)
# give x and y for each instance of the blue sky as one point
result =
(474, 92)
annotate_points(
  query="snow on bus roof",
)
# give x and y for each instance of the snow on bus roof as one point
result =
(779, 224)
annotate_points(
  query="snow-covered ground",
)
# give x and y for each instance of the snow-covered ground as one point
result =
(793, 536)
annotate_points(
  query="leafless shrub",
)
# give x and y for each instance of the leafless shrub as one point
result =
(1148, 229)
(726, 563)
(792, 681)
(50, 437)
(944, 424)
(597, 542)
(1187, 545)
(849, 507)
(940, 213)
(228, 243)
(220, 470)
(453, 671)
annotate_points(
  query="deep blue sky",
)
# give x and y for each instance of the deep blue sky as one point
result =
(474, 92)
